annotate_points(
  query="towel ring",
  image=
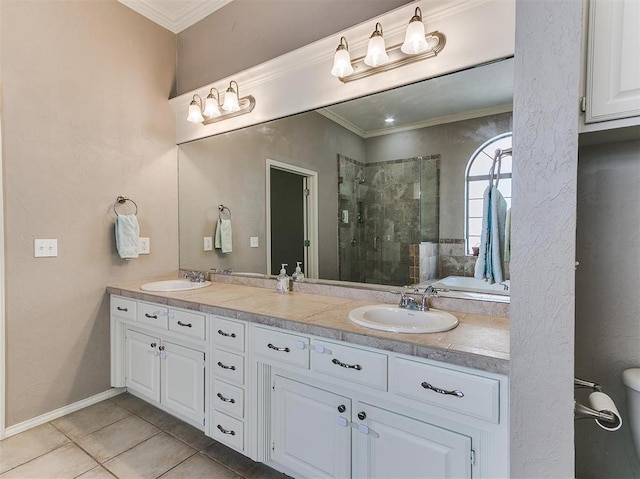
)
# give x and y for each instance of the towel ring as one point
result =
(120, 200)
(221, 210)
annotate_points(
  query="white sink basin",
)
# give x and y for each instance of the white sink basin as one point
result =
(173, 285)
(386, 317)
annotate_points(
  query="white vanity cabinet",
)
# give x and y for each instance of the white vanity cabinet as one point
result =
(333, 409)
(387, 444)
(613, 64)
(228, 398)
(159, 354)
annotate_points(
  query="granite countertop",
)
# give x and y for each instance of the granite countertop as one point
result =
(479, 341)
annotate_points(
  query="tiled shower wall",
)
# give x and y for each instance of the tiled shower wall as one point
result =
(384, 208)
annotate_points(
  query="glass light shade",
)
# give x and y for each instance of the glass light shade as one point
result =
(195, 115)
(414, 40)
(211, 109)
(231, 102)
(376, 52)
(342, 63)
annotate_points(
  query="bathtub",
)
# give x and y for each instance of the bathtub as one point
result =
(473, 288)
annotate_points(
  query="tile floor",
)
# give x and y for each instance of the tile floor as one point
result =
(127, 438)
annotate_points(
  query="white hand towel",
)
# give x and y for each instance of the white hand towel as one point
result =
(217, 241)
(225, 236)
(127, 233)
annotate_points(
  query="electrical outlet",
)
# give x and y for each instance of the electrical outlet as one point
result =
(144, 245)
(208, 243)
(44, 248)
(253, 241)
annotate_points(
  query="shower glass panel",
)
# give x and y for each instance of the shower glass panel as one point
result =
(385, 211)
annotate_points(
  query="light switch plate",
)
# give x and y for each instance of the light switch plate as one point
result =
(254, 242)
(208, 243)
(45, 248)
(144, 245)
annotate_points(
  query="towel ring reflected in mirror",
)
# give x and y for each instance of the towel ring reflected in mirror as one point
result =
(221, 212)
(121, 200)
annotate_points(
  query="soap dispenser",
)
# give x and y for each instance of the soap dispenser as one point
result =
(282, 281)
(298, 275)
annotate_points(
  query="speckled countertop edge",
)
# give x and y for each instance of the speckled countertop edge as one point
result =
(479, 342)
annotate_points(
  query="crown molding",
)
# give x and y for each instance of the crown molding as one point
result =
(175, 16)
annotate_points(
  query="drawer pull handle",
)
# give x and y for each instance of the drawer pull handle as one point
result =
(151, 316)
(186, 325)
(222, 398)
(225, 431)
(276, 348)
(121, 309)
(224, 366)
(455, 393)
(357, 367)
(226, 335)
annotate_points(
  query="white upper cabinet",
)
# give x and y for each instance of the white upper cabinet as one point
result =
(613, 64)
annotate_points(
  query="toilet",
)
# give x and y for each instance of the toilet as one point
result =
(631, 379)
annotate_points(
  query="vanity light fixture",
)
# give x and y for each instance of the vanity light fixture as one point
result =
(414, 40)
(377, 50)
(416, 46)
(342, 60)
(212, 111)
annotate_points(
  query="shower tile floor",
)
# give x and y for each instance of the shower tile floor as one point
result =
(127, 438)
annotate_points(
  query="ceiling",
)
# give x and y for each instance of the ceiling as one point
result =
(175, 15)
(467, 94)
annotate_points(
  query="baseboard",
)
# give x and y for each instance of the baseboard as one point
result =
(63, 411)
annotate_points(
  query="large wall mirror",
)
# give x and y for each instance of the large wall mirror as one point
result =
(390, 190)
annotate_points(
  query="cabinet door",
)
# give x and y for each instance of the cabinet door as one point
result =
(310, 430)
(183, 371)
(613, 63)
(143, 365)
(388, 444)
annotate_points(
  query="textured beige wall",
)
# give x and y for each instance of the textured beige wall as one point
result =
(545, 145)
(607, 300)
(245, 33)
(85, 119)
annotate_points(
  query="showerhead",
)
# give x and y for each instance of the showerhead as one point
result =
(360, 181)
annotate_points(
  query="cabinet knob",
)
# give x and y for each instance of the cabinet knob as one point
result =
(362, 415)
(153, 345)
(342, 408)
(161, 348)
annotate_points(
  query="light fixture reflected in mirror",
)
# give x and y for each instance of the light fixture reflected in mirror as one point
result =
(377, 50)
(416, 46)
(414, 40)
(212, 111)
(342, 60)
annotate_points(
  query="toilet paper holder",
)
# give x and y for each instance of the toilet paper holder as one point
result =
(610, 418)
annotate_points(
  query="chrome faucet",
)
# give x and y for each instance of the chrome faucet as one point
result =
(194, 276)
(407, 301)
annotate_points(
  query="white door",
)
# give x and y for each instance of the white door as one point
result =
(143, 364)
(387, 445)
(182, 373)
(310, 430)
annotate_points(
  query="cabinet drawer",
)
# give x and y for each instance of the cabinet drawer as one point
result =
(228, 334)
(228, 366)
(187, 323)
(228, 430)
(153, 314)
(228, 398)
(461, 392)
(123, 308)
(282, 347)
(353, 364)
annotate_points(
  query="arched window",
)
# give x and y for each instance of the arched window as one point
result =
(477, 180)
